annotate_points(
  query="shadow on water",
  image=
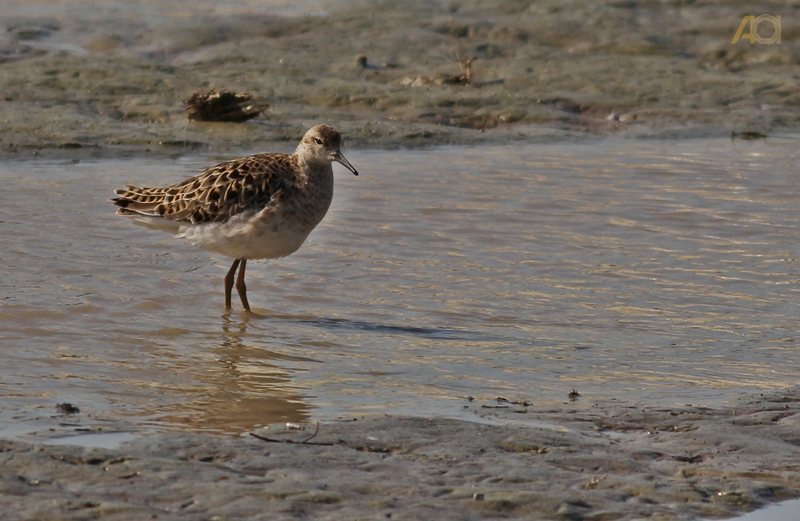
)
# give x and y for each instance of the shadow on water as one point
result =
(421, 332)
(372, 327)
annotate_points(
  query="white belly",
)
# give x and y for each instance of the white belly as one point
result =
(250, 236)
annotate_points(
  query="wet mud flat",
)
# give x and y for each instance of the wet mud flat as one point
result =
(108, 79)
(578, 461)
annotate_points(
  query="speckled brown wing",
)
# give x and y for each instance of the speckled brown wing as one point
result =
(216, 194)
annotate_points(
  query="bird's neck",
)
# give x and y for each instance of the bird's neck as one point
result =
(318, 172)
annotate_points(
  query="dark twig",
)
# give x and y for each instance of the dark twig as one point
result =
(465, 64)
(313, 435)
(525, 403)
(304, 442)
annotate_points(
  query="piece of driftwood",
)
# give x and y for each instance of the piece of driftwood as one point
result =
(223, 105)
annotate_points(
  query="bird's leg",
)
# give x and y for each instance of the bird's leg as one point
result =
(241, 288)
(229, 283)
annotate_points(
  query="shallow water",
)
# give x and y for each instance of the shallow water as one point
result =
(786, 511)
(636, 271)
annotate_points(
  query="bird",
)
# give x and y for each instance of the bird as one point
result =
(262, 206)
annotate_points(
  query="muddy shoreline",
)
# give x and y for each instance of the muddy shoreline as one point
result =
(95, 81)
(578, 461)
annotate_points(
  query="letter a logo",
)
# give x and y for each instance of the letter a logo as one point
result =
(748, 36)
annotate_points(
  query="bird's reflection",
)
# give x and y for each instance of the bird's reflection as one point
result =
(247, 388)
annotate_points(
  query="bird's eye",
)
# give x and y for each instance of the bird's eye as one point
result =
(318, 140)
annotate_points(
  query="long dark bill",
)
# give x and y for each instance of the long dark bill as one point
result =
(339, 158)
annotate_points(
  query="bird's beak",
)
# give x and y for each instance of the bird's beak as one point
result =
(339, 158)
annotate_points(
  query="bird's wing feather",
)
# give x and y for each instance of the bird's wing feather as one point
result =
(216, 194)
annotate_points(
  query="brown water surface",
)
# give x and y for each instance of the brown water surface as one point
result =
(636, 271)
